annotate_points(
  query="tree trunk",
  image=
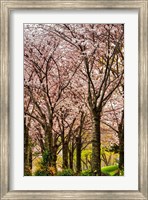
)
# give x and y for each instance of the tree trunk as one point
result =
(26, 150)
(121, 143)
(54, 157)
(71, 154)
(30, 159)
(96, 143)
(26, 145)
(65, 155)
(78, 153)
(70, 160)
(121, 151)
(48, 145)
(64, 150)
(55, 148)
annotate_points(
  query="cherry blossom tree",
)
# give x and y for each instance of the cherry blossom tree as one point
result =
(72, 72)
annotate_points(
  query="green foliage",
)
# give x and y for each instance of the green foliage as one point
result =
(66, 172)
(86, 173)
(109, 156)
(112, 170)
(45, 156)
(42, 168)
(41, 172)
(36, 154)
(86, 154)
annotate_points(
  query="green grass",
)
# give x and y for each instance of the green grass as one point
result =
(110, 170)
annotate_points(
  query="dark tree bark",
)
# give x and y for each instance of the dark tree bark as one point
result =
(27, 150)
(54, 160)
(49, 143)
(64, 149)
(71, 155)
(121, 143)
(65, 155)
(30, 158)
(78, 153)
(96, 143)
(79, 144)
(71, 160)
(26, 143)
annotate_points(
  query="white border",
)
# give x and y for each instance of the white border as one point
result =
(130, 180)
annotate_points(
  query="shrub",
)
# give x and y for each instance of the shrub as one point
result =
(112, 170)
(40, 172)
(66, 172)
(43, 170)
(86, 173)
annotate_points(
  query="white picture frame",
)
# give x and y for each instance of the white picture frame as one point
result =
(6, 7)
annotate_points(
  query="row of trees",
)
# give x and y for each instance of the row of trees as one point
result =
(73, 93)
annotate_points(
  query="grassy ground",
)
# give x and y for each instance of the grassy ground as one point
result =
(110, 170)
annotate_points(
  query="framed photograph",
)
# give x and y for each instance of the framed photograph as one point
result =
(74, 99)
